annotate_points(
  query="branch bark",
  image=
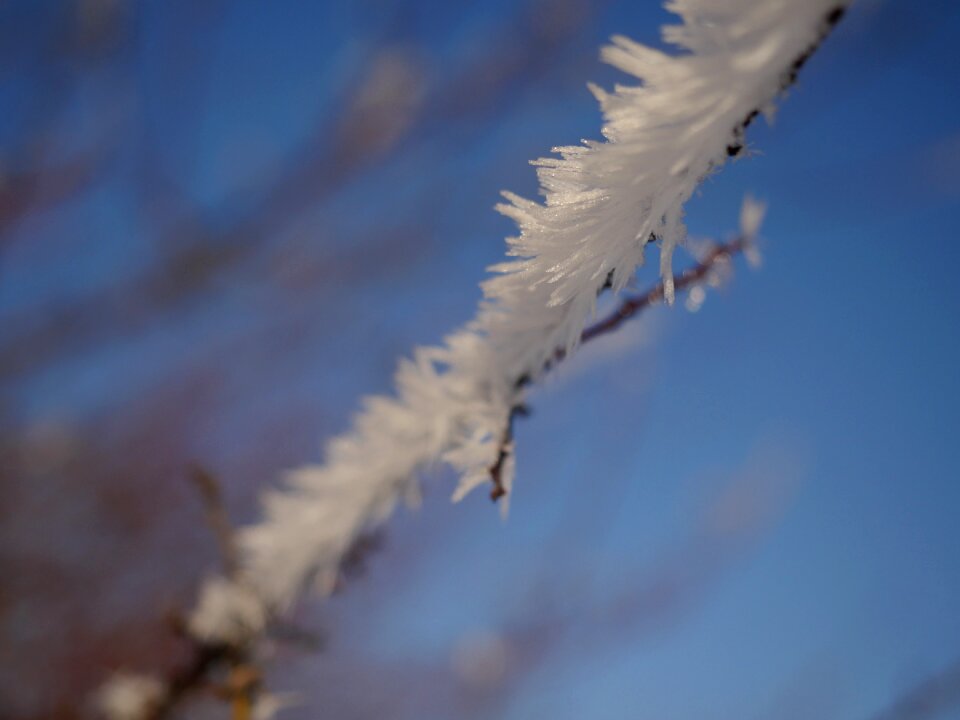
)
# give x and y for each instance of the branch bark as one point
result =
(628, 308)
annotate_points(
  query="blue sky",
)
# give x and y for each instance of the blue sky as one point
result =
(745, 512)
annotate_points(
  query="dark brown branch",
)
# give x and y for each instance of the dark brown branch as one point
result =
(683, 281)
(496, 470)
(628, 308)
(205, 661)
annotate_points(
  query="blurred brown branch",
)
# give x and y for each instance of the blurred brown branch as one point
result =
(210, 492)
(927, 700)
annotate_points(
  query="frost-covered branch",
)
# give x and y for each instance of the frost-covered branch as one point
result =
(222, 637)
(229, 620)
(604, 203)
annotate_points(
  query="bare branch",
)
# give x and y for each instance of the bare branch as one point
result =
(506, 448)
(682, 281)
(627, 309)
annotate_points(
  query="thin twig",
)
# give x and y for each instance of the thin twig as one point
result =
(506, 447)
(627, 309)
(682, 281)
(217, 517)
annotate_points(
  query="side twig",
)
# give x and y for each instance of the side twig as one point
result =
(628, 308)
(217, 517)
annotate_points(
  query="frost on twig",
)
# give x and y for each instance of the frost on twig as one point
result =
(227, 612)
(603, 203)
(224, 635)
(130, 697)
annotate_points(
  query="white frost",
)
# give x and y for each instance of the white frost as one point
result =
(269, 705)
(129, 697)
(227, 612)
